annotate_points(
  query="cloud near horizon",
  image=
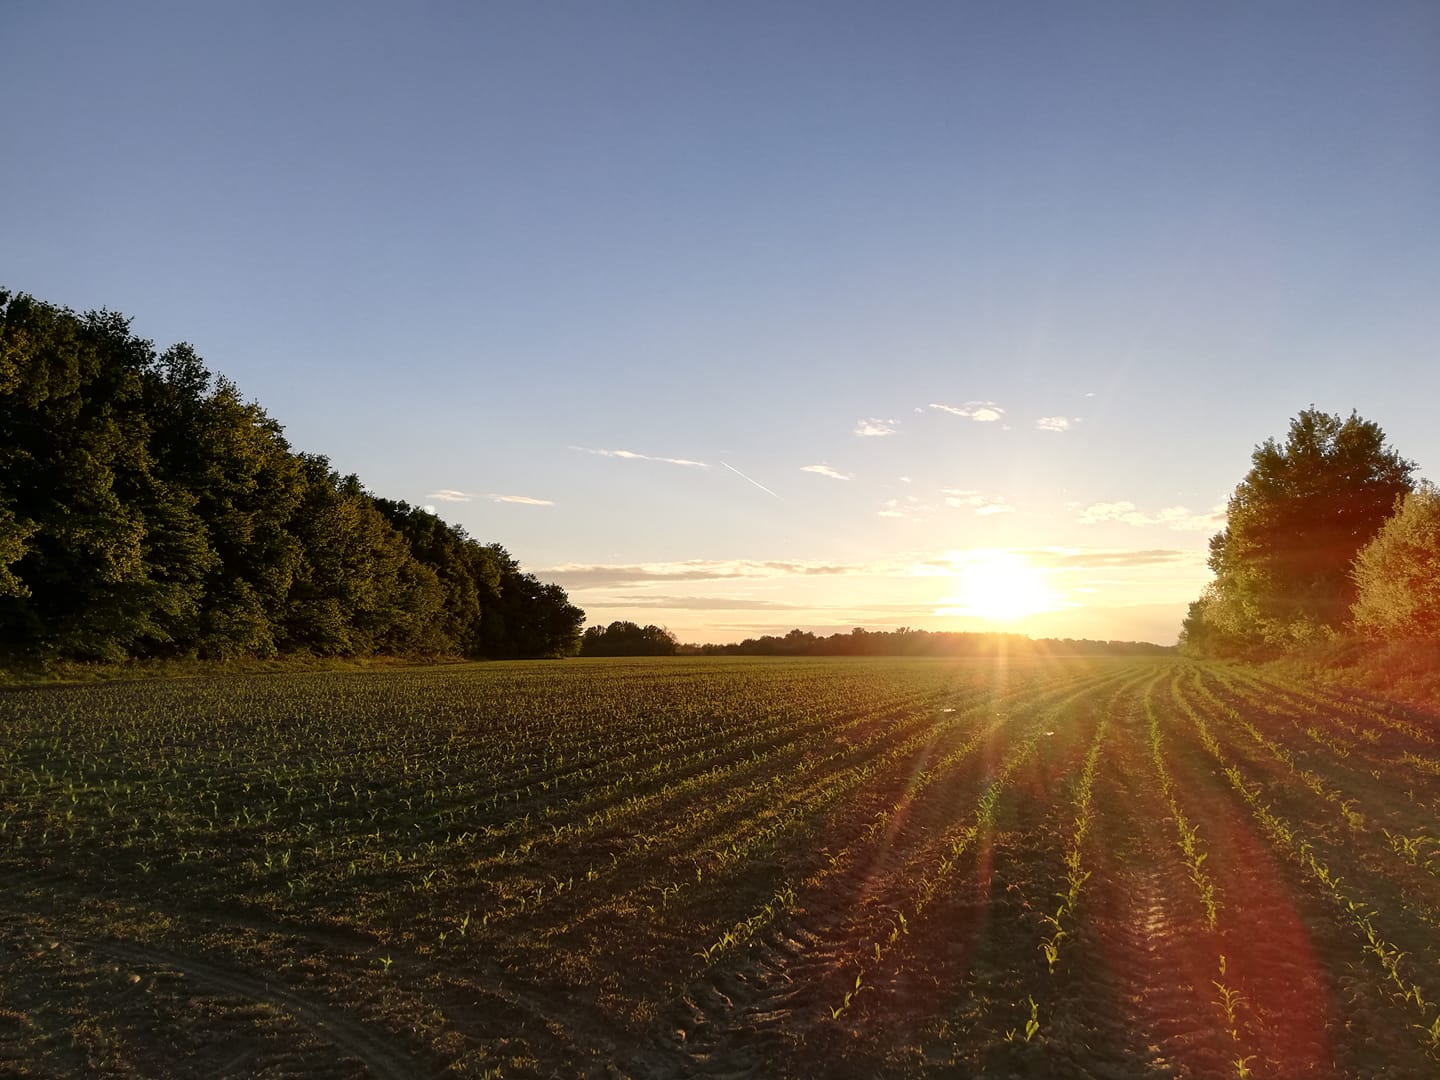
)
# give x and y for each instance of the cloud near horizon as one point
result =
(874, 427)
(595, 575)
(825, 470)
(1063, 559)
(1175, 518)
(523, 500)
(631, 455)
(1056, 423)
(982, 412)
(450, 495)
(692, 603)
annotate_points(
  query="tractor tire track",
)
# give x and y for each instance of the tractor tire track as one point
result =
(381, 1056)
(765, 1010)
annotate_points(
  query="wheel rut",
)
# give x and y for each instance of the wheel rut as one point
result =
(382, 1057)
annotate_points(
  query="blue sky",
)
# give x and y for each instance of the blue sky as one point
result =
(1074, 261)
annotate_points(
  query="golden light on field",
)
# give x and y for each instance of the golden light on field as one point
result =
(999, 585)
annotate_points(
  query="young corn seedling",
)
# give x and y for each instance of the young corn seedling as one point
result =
(1032, 1026)
(1230, 1002)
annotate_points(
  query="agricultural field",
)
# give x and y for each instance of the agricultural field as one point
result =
(720, 867)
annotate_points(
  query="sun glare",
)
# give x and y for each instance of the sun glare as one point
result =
(999, 585)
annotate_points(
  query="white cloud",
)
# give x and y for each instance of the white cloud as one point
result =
(982, 412)
(449, 495)
(825, 470)
(1112, 511)
(1176, 518)
(983, 505)
(524, 500)
(910, 508)
(1056, 423)
(631, 455)
(873, 427)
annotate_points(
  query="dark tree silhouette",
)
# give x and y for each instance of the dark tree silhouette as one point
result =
(1293, 528)
(628, 639)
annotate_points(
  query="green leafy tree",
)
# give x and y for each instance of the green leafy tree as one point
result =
(147, 509)
(358, 590)
(14, 533)
(522, 616)
(453, 558)
(234, 460)
(1293, 528)
(1397, 574)
(113, 554)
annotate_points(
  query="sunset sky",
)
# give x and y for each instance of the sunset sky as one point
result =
(739, 317)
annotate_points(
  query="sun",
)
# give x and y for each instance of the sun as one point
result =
(999, 585)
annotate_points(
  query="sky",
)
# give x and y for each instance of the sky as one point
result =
(741, 317)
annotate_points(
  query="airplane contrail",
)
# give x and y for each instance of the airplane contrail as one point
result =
(742, 476)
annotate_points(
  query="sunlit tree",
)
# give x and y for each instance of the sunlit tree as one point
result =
(1397, 575)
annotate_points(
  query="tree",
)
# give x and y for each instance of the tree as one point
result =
(358, 590)
(1294, 526)
(1397, 575)
(622, 638)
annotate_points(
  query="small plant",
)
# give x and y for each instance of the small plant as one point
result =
(1032, 1026)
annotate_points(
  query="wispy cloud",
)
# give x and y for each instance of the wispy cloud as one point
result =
(594, 575)
(631, 455)
(873, 427)
(825, 470)
(983, 505)
(1056, 423)
(982, 412)
(691, 603)
(524, 500)
(1090, 559)
(1178, 518)
(910, 508)
(1061, 558)
(450, 495)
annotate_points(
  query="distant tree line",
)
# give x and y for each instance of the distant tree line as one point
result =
(908, 642)
(628, 639)
(148, 510)
(1327, 536)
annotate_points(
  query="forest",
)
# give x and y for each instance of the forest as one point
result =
(147, 510)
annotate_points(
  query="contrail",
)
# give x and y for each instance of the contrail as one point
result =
(742, 476)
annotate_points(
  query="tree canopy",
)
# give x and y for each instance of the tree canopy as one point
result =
(147, 509)
(1397, 575)
(1293, 527)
